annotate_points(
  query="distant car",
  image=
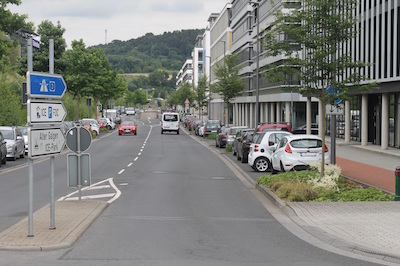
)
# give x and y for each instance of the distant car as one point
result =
(24, 131)
(212, 126)
(91, 124)
(130, 111)
(15, 142)
(127, 127)
(303, 129)
(273, 126)
(201, 129)
(107, 123)
(170, 122)
(260, 151)
(243, 147)
(3, 150)
(220, 138)
(297, 152)
(197, 129)
(232, 137)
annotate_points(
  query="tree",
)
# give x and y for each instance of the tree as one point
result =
(229, 84)
(9, 24)
(310, 39)
(200, 92)
(77, 77)
(47, 30)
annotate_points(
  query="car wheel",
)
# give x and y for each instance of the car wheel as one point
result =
(216, 144)
(162, 131)
(261, 164)
(238, 157)
(4, 161)
(282, 168)
(22, 154)
(233, 151)
(135, 133)
(177, 132)
(244, 159)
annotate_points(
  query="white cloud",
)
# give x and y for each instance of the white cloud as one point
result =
(123, 19)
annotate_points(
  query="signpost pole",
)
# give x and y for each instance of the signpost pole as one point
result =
(79, 162)
(52, 158)
(30, 160)
(333, 139)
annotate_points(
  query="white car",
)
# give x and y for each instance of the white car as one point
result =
(260, 151)
(297, 152)
(94, 126)
(130, 111)
(201, 130)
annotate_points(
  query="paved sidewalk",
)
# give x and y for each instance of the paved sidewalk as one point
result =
(72, 218)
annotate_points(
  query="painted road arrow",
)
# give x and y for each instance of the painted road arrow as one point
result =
(45, 141)
(46, 111)
(45, 85)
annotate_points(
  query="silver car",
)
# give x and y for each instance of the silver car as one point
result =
(15, 142)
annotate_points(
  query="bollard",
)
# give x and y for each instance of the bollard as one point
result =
(397, 174)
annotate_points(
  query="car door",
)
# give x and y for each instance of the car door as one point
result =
(20, 141)
(277, 154)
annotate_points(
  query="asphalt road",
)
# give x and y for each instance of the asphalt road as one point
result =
(180, 204)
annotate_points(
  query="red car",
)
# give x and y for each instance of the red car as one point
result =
(127, 127)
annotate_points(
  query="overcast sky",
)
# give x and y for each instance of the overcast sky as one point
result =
(123, 19)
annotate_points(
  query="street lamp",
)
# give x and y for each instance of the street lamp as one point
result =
(257, 4)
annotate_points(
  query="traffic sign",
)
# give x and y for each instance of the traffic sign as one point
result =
(85, 139)
(45, 85)
(46, 111)
(45, 141)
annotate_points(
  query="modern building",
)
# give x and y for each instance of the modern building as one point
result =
(185, 74)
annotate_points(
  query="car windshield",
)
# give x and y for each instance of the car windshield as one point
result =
(170, 118)
(24, 131)
(306, 143)
(127, 123)
(258, 137)
(7, 134)
(85, 123)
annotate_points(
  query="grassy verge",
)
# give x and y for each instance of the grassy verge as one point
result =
(309, 186)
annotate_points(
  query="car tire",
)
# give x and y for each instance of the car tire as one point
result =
(4, 161)
(262, 164)
(233, 151)
(162, 131)
(177, 132)
(282, 168)
(22, 155)
(244, 159)
(216, 144)
(238, 157)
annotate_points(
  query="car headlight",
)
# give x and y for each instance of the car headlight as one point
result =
(9, 146)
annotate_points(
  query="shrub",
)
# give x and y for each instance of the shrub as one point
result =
(211, 136)
(228, 147)
(309, 186)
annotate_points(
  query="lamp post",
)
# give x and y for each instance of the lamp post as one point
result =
(209, 87)
(224, 65)
(257, 4)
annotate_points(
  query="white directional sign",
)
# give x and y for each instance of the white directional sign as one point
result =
(45, 141)
(46, 112)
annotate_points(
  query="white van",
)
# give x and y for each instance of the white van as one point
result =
(170, 122)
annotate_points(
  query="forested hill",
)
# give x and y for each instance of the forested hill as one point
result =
(152, 52)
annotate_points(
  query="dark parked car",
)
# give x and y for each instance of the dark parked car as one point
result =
(3, 150)
(303, 129)
(239, 132)
(212, 126)
(220, 139)
(244, 146)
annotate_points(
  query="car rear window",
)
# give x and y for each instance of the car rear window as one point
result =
(306, 143)
(170, 118)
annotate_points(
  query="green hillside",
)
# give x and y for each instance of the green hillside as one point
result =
(151, 52)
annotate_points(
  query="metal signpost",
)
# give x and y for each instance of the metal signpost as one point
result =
(44, 117)
(78, 167)
(334, 109)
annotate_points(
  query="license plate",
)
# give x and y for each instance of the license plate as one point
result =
(308, 154)
(127, 130)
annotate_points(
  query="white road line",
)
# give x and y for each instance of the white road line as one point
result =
(120, 172)
(141, 150)
(139, 153)
(98, 187)
(129, 165)
(93, 196)
(136, 159)
(116, 196)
